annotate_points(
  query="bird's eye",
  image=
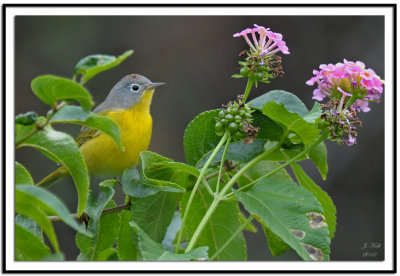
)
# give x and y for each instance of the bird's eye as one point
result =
(135, 87)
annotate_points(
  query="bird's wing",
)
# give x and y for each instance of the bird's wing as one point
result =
(88, 133)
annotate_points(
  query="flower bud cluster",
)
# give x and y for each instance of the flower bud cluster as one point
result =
(236, 118)
(341, 124)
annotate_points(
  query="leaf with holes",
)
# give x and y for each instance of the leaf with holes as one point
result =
(325, 200)
(292, 213)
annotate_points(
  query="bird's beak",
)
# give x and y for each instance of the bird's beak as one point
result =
(155, 84)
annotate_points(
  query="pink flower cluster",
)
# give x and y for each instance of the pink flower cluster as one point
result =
(262, 46)
(347, 79)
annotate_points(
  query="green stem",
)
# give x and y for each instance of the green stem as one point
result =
(207, 186)
(290, 161)
(220, 196)
(40, 127)
(240, 229)
(249, 85)
(196, 185)
(222, 163)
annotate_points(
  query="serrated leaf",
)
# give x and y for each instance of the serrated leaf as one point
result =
(292, 213)
(22, 176)
(276, 245)
(51, 89)
(105, 227)
(291, 121)
(127, 243)
(313, 114)
(37, 197)
(154, 213)
(60, 147)
(221, 226)
(77, 115)
(291, 102)
(172, 231)
(329, 209)
(92, 65)
(153, 251)
(134, 184)
(199, 137)
(250, 226)
(29, 247)
(164, 174)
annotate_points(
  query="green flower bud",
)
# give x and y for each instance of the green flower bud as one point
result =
(222, 114)
(233, 127)
(223, 121)
(238, 119)
(242, 112)
(229, 117)
(235, 110)
(219, 127)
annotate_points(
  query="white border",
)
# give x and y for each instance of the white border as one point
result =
(235, 266)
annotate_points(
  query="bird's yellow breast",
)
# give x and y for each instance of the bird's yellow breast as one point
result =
(102, 155)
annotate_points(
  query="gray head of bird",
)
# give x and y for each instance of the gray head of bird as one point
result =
(130, 91)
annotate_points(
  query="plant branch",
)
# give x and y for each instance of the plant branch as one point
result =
(220, 196)
(221, 166)
(249, 85)
(196, 185)
(105, 212)
(238, 231)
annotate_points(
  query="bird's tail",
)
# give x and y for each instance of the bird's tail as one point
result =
(54, 177)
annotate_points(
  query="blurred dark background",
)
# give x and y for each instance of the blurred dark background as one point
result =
(196, 56)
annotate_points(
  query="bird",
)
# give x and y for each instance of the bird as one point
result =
(128, 104)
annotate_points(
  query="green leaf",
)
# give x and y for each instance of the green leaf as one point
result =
(29, 247)
(127, 243)
(31, 211)
(37, 197)
(172, 231)
(276, 245)
(26, 119)
(313, 114)
(154, 213)
(77, 115)
(329, 209)
(291, 102)
(91, 65)
(134, 184)
(291, 121)
(51, 89)
(319, 156)
(153, 251)
(110, 254)
(60, 147)
(260, 169)
(164, 174)
(199, 137)
(221, 226)
(250, 226)
(22, 176)
(105, 228)
(292, 213)
(29, 224)
(54, 257)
